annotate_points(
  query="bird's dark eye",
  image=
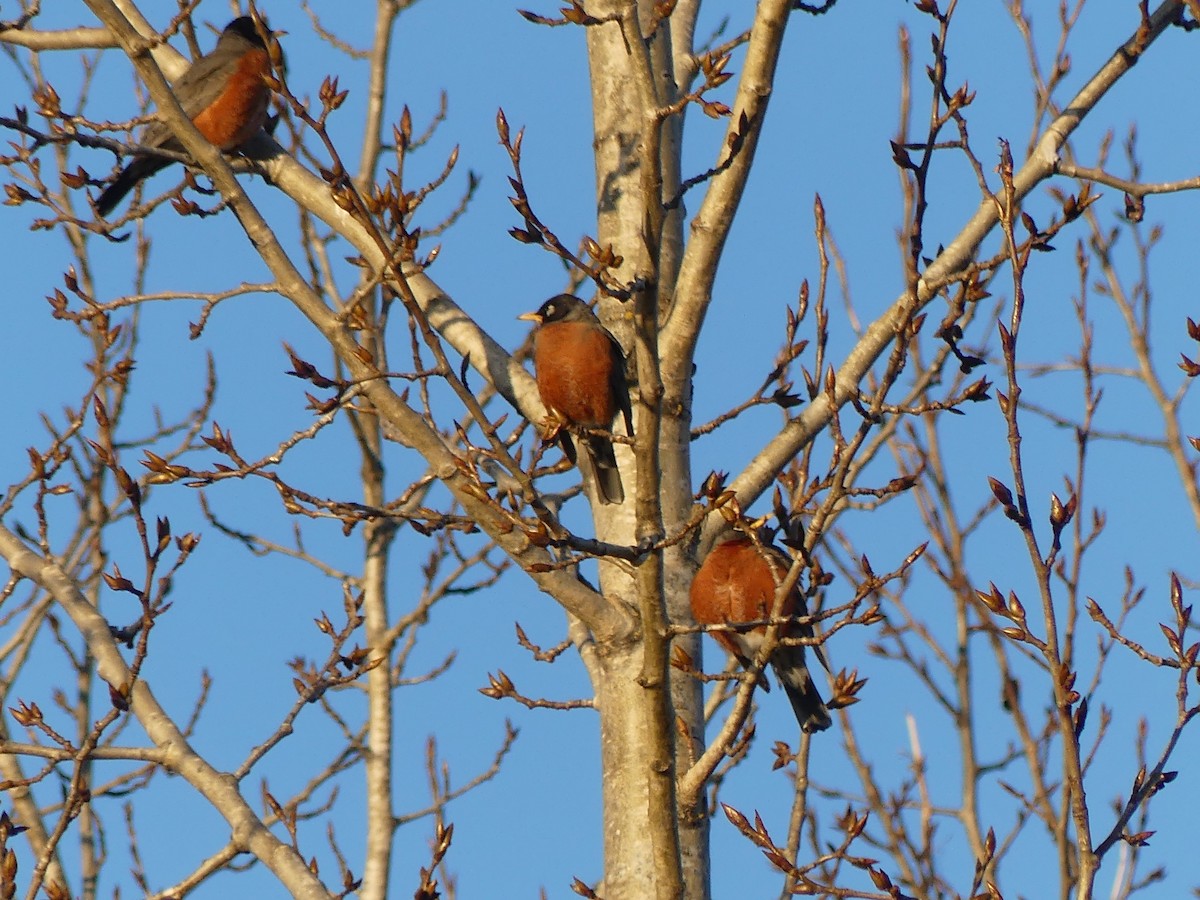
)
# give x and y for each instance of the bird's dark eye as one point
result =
(551, 310)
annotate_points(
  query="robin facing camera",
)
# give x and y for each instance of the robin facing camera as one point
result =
(580, 372)
(224, 93)
(736, 583)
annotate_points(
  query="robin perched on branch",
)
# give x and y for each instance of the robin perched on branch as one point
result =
(737, 582)
(580, 372)
(224, 93)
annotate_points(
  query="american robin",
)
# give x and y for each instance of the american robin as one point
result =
(580, 372)
(737, 582)
(225, 95)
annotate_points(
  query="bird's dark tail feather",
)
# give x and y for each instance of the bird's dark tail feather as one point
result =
(810, 709)
(604, 467)
(568, 445)
(127, 179)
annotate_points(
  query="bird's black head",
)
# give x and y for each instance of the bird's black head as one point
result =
(243, 27)
(563, 308)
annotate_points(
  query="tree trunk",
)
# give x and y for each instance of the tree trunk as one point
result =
(622, 122)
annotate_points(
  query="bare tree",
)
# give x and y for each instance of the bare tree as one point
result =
(940, 413)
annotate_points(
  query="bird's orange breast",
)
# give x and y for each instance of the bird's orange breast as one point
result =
(735, 583)
(574, 365)
(241, 109)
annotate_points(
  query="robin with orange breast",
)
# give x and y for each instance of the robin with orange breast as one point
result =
(580, 372)
(737, 582)
(224, 93)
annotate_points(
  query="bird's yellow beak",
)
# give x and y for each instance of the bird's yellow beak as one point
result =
(531, 317)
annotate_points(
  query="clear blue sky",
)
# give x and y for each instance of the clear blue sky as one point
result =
(831, 116)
